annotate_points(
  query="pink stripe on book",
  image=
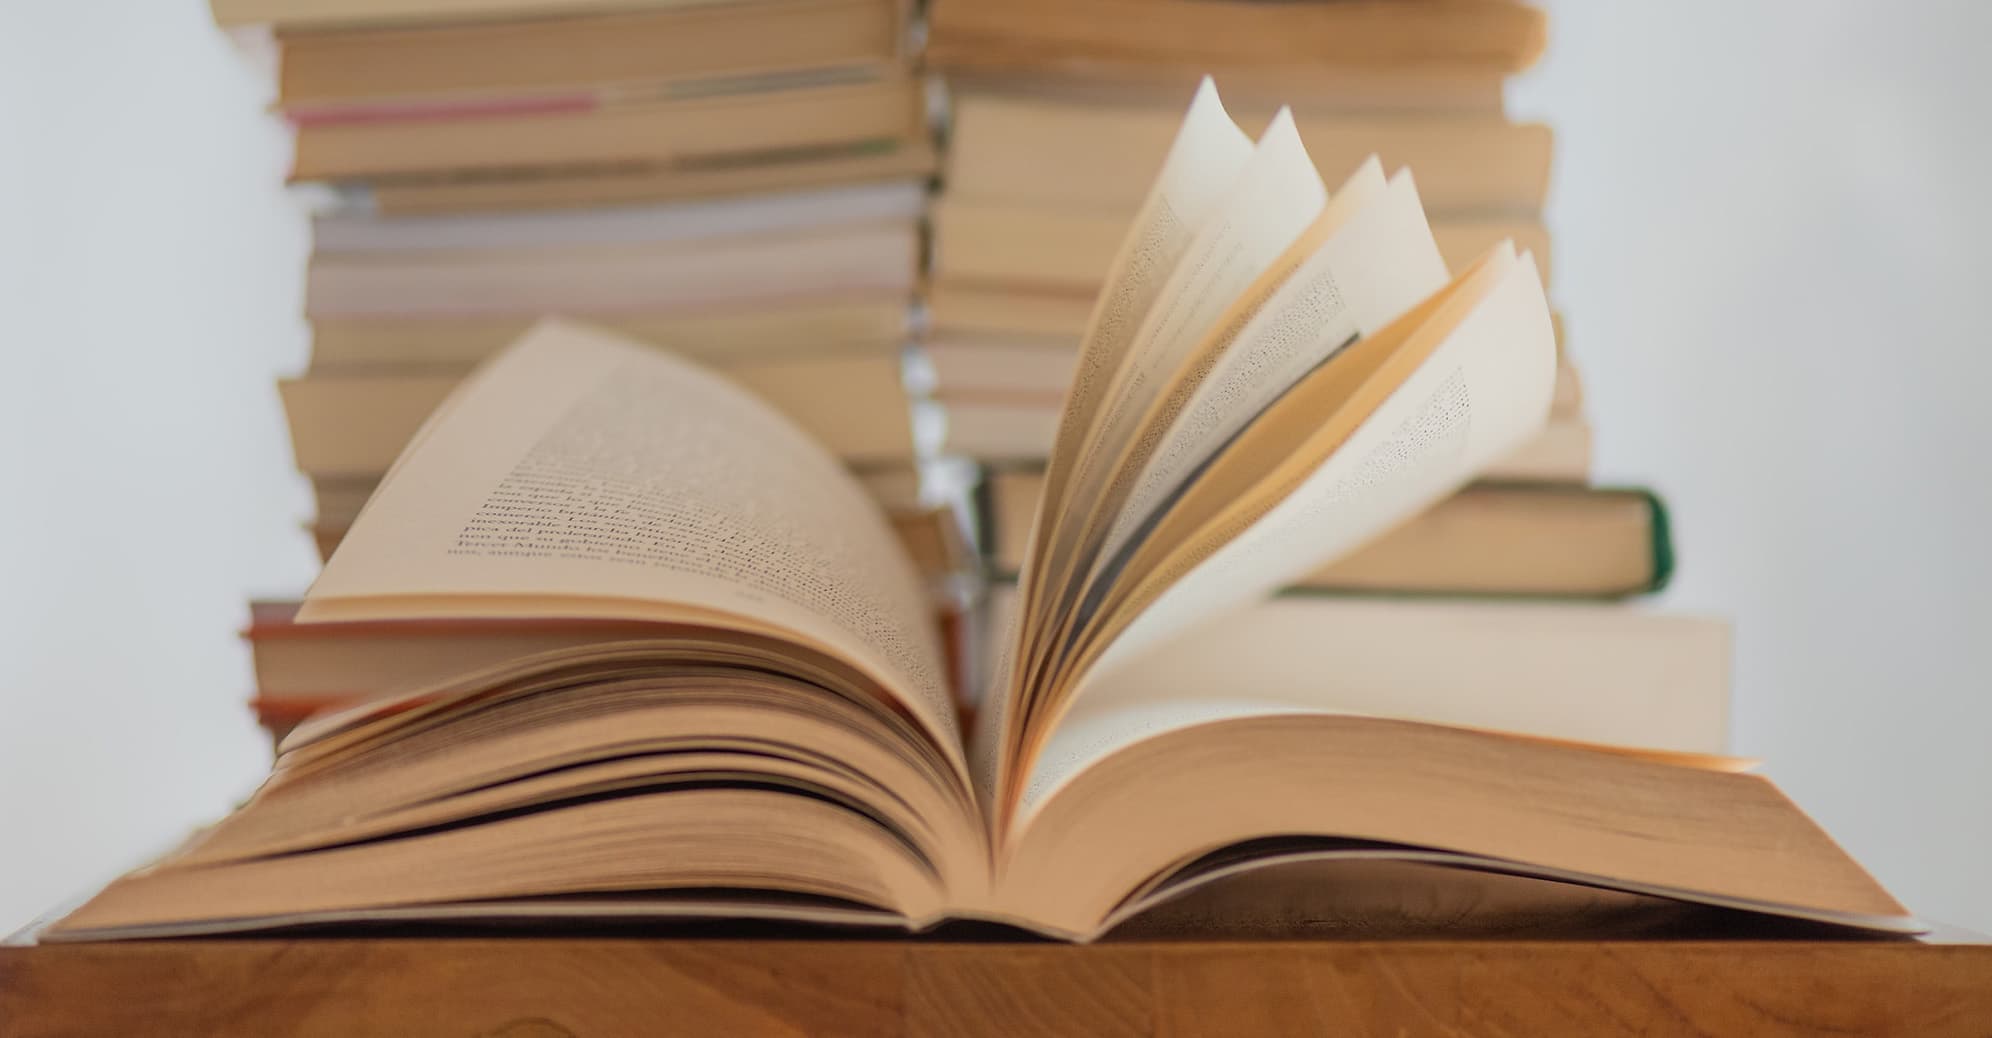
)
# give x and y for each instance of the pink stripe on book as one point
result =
(437, 109)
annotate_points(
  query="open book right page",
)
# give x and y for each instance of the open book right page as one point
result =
(1484, 390)
(1485, 386)
(1375, 262)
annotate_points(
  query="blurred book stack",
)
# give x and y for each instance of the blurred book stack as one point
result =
(743, 182)
(746, 181)
(1060, 110)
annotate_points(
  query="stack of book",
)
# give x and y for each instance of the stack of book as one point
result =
(1056, 111)
(1058, 107)
(741, 182)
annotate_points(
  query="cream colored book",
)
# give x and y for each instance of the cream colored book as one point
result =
(1560, 453)
(856, 403)
(1027, 369)
(1068, 250)
(720, 335)
(1500, 37)
(985, 309)
(351, 229)
(1313, 89)
(1528, 666)
(1275, 374)
(317, 14)
(583, 188)
(1021, 431)
(562, 56)
(771, 270)
(1466, 164)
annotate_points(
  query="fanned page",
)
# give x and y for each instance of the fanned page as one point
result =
(1202, 163)
(1484, 359)
(1275, 197)
(581, 475)
(1484, 388)
(1234, 446)
(1375, 259)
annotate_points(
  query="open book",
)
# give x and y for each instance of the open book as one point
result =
(1273, 375)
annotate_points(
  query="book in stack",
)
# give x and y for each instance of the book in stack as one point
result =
(742, 181)
(739, 708)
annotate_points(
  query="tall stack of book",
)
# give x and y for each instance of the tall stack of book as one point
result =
(742, 182)
(1057, 109)
(745, 182)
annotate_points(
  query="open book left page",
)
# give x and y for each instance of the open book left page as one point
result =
(579, 475)
(760, 731)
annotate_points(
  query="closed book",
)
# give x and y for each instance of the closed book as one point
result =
(1500, 665)
(1314, 88)
(354, 425)
(710, 177)
(1466, 163)
(1493, 539)
(376, 68)
(719, 335)
(350, 230)
(331, 13)
(1501, 36)
(766, 270)
(1068, 250)
(522, 135)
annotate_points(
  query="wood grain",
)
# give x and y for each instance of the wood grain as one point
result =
(519, 987)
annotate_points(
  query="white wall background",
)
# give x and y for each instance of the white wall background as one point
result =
(151, 272)
(1770, 223)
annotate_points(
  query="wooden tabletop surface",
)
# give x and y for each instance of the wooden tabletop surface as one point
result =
(520, 986)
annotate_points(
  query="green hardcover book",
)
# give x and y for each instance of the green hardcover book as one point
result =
(1495, 539)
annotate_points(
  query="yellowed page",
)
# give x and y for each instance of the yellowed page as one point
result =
(1484, 390)
(1485, 384)
(1276, 197)
(1201, 164)
(582, 474)
(1375, 267)
(1267, 461)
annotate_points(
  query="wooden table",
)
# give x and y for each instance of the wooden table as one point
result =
(530, 986)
